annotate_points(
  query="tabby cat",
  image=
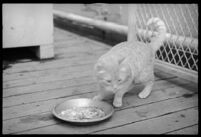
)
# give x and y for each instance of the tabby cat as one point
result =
(128, 63)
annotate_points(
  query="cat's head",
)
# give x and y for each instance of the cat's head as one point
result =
(113, 76)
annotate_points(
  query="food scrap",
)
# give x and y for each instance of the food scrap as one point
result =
(82, 113)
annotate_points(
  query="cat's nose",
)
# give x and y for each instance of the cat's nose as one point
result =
(115, 87)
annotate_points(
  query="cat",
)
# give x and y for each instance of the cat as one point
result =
(128, 63)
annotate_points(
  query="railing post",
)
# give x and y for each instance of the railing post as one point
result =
(132, 31)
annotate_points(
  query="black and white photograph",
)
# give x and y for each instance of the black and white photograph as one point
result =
(100, 68)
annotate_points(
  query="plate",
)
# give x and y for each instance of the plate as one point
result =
(83, 102)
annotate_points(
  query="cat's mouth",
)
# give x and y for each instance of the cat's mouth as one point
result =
(114, 90)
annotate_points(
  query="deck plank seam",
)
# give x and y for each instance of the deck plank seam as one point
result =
(49, 90)
(63, 67)
(66, 96)
(26, 71)
(116, 109)
(49, 99)
(91, 83)
(171, 77)
(180, 128)
(58, 123)
(160, 79)
(45, 82)
(72, 96)
(143, 119)
(170, 98)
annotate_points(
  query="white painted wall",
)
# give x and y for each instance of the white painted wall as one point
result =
(27, 25)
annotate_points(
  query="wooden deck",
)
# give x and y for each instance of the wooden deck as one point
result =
(32, 89)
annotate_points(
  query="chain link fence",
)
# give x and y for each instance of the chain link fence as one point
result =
(181, 45)
(179, 52)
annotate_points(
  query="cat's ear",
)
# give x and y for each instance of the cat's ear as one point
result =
(101, 72)
(124, 67)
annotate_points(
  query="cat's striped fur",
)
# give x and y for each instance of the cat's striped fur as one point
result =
(128, 63)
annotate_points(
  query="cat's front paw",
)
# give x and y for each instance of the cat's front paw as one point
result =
(143, 94)
(117, 103)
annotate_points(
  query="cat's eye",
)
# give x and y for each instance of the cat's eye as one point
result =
(108, 81)
(120, 80)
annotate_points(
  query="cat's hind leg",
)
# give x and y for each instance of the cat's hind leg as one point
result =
(147, 90)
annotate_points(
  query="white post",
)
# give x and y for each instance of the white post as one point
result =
(132, 31)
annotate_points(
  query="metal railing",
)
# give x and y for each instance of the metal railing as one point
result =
(181, 45)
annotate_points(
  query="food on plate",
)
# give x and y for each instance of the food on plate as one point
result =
(82, 113)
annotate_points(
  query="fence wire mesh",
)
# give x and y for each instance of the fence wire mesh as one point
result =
(181, 45)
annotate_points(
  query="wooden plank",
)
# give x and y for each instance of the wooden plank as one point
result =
(40, 106)
(48, 83)
(45, 94)
(159, 85)
(39, 109)
(67, 63)
(37, 66)
(121, 117)
(14, 111)
(62, 46)
(61, 58)
(70, 55)
(20, 75)
(43, 67)
(45, 79)
(76, 49)
(16, 125)
(158, 125)
(40, 87)
(191, 130)
(53, 71)
(37, 86)
(26, 89)
(63, 35)
(70, 90)
(59, 75)
(94, 45)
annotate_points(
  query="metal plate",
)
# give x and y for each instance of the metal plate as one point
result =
(83, 102)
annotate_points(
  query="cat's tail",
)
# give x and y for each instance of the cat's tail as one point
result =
(159, 34)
